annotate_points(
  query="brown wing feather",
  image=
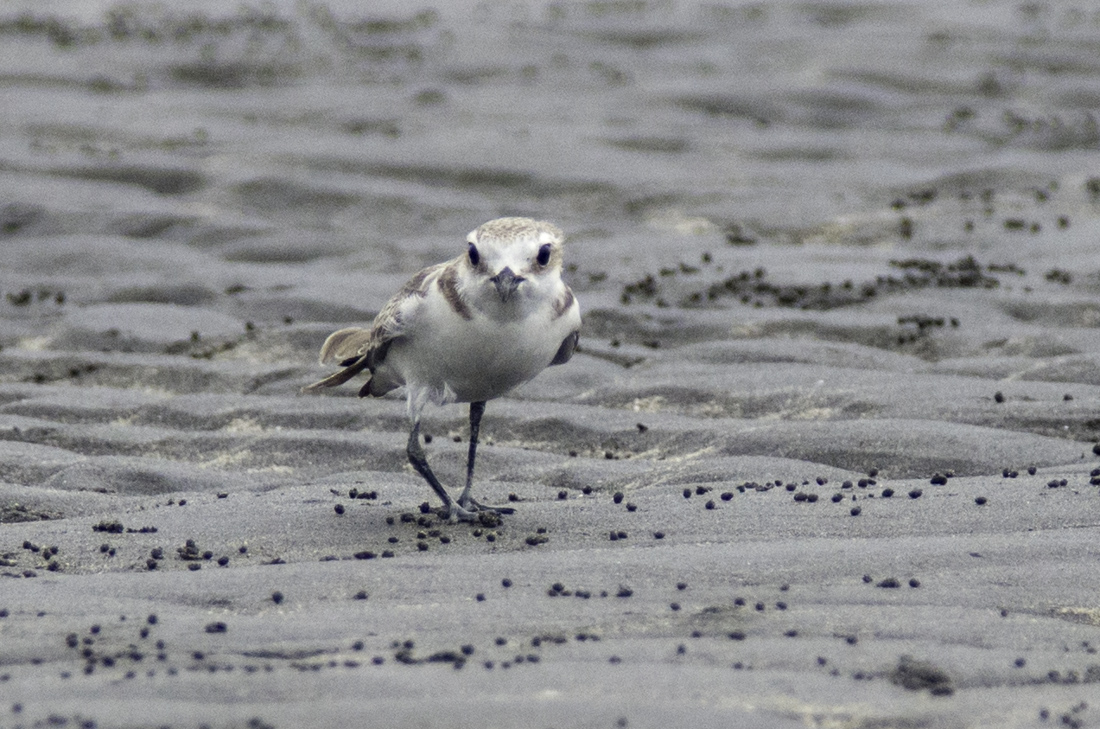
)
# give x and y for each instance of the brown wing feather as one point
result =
(345, 346)
(565, 351)
(356, 349)
(336, 378)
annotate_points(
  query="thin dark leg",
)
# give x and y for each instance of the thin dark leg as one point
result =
(420, 463)
(477, 409)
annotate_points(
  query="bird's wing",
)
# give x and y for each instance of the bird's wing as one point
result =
(356, 349)
(565, 351)
(345, 346)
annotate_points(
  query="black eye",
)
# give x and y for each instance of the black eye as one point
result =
(474, 255)
(544, 255)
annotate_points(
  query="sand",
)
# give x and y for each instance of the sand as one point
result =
(825, 457)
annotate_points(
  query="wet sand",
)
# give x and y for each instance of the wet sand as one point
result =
(825, 457)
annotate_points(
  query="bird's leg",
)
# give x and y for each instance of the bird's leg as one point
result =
(420, 463)
(477, 409)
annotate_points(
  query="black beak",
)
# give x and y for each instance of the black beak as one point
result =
(506, 282)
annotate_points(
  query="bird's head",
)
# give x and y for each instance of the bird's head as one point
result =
(515, 257)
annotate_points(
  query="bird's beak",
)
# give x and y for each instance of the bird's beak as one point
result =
(507, 282)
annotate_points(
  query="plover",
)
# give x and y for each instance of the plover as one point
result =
(467, 330)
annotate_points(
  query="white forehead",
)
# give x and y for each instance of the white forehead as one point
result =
(505, 232)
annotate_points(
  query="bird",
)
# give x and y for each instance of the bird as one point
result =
(467, 330)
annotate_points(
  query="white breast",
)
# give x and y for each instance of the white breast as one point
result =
(480, 358)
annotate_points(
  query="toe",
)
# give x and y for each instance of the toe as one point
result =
(459, 513)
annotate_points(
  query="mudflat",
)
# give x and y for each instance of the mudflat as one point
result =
(825, 457)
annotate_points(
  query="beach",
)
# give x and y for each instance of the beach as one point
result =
(826, 455)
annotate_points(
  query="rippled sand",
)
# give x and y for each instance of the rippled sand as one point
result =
(824, 458)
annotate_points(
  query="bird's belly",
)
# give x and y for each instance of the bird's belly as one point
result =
(479, 360)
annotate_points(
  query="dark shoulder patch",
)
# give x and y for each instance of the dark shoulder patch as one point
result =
(448, 286)
(563, 304)
(565, 351)
(415, 285)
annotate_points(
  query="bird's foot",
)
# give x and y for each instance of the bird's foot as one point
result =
(470, 503)
(454, 513)
(485, 517)
(473, 513)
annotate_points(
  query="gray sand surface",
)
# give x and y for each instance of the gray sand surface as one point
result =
(825, 458)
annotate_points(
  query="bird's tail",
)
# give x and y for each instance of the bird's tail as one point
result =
(338, 378)
(349, 348)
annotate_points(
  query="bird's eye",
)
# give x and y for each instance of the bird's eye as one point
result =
(474, 255)
(544, 255)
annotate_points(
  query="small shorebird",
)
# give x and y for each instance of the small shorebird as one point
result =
(468, 330)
